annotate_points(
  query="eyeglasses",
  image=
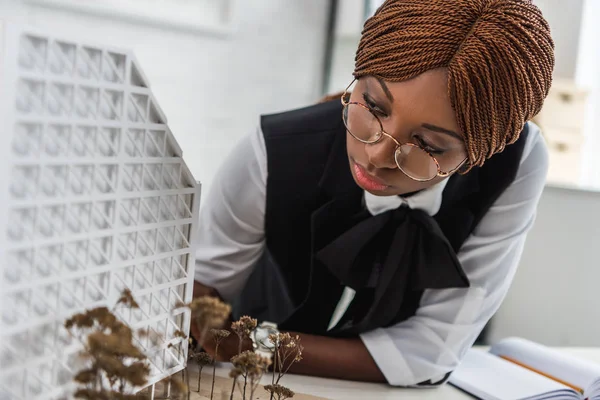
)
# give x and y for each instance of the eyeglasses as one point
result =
(366, 127)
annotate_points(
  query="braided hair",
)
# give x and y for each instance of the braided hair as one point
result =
(499, 56)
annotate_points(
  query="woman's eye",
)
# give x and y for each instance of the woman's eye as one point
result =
(427, 147)
(373, 107)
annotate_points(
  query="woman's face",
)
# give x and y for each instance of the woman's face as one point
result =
(415, 111)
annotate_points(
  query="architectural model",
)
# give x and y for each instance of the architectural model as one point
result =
(95, 198)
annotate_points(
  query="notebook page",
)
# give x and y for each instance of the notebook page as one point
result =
(593, 393)
(574, 372)
(491, 378)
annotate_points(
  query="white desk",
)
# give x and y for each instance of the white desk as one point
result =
(349, 390)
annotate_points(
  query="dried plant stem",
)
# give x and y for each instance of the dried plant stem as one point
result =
(214, 369)
(199, 376)
(275, 359)
(288, 350)
(187, 383)
(185, 374)
(282, 373)
(204, 331)
(98, 382)
(219, 335)
(253, 385)
(242, 388)
(239, 385)
(232, 389)
(240, 340)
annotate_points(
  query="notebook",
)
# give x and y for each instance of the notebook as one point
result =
(519, 369)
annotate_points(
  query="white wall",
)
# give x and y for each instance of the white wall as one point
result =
(348, 26)
(564, 18)
(554, 296)
(575, 30)
(586, 75)
(553, 299)
(211, 88)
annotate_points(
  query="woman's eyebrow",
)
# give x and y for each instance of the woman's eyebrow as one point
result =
(386, 90)
(434, 128)
(442, 130)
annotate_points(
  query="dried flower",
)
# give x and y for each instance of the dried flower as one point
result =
(99, 316)
(249, 361)
(274, 339)
(202, 358)
(179, 304)
(127, 299)
(209, 312)
(281, 391)
(288, 350)
(244, 326)
(250, 366)
(99, 343)
(220, 334)
(236, 372)
(178, 389)
(116, 365)
(86, 376)
(180, 334)
(91, 394)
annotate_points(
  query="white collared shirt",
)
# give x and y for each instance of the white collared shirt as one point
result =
(428, 200)
(429, 344)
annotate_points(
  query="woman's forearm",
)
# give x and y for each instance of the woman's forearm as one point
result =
(338, 358)
(323, 356)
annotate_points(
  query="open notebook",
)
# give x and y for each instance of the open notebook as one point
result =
(518, 369)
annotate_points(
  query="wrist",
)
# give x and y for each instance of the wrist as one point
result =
(260, 339)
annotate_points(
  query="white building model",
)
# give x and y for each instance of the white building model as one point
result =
(94, 198)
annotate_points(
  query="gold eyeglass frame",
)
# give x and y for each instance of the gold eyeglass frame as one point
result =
(383, 133)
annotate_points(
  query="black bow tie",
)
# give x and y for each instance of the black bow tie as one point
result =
(411, 253)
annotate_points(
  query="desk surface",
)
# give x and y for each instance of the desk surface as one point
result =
(349, 390)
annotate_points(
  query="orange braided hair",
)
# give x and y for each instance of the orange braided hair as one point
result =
(499, 55)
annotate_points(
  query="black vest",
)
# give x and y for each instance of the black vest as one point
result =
(312, 200)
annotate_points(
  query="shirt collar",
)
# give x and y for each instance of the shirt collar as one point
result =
(428, 200)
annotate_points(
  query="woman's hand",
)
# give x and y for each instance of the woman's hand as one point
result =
(228, 345)
(201, 290)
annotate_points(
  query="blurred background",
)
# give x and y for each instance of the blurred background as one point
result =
(216, 65)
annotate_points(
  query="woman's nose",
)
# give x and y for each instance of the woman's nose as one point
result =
(381, 154)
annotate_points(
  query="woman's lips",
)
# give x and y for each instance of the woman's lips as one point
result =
(367, 181)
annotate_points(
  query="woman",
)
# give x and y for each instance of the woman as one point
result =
(385, 228)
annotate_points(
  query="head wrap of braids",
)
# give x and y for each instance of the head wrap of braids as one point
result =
(499, 57)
